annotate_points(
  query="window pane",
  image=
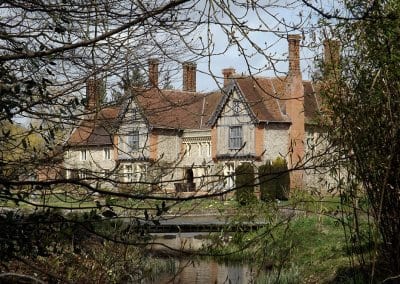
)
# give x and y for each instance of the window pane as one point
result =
(107, 153)
(133, 140)
(135, 114)
(129, 173)
(83, 155)
(235, 137)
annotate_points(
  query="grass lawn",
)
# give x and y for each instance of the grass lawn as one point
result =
(318, 247)
(304, 248)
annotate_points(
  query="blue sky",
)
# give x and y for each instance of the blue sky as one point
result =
(271, 57)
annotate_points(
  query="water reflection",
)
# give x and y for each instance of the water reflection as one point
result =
(182, 241)
(206, 272)
(197, 271)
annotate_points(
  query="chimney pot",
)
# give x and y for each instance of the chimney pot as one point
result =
(153, 72)
(189, 76)
(228, 73)
(294, 54)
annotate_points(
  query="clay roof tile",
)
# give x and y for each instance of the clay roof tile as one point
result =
(97, 129)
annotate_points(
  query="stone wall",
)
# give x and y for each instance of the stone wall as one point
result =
(318, 161)
(276, 141)
(168, 146)
(95, 161)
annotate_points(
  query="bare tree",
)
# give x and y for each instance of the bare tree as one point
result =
(61, 60)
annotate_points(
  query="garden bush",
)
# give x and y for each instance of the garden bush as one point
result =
(274, 180)
(245, 184)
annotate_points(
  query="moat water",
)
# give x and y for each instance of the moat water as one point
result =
(188, 271)
(205, 272)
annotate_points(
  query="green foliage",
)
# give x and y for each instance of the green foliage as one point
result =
(364, 107)
(301, 249)
(245, 184)
(18, 147)
(274, 180)
(283, 276)
(267, 183)
(72, 247)
(41, 233)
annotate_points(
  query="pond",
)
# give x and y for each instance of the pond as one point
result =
(205, 272)
(186, 270)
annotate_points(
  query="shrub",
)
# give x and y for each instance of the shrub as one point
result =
(245, 184)
(267, 182)
(274, 180)
(283, 178)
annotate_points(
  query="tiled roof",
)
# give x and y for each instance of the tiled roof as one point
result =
(262, 95)
(266, 98)
(177, 109)
(96, 130)
(171, 109)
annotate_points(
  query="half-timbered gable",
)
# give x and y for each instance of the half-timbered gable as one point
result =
(235, 126)
(133, 134)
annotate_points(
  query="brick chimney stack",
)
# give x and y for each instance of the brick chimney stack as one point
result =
(331, 57)
(295, 111)
(153, 72)
(228, 73)
(94, 87)
(294, 55)
(189, 76)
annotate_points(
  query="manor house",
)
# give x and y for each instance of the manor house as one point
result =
(185, 141)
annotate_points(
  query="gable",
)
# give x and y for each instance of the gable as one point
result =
(132, 115)
(266, 99)
(232, 103)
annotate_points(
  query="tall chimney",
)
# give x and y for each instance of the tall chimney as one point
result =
(153, 72)
(294, 54)
(228, 73)
(331, 57)
(94, 87)
(295, 111)
(189, 76)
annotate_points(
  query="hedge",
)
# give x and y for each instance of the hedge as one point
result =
(245, 184)
(274, 180)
